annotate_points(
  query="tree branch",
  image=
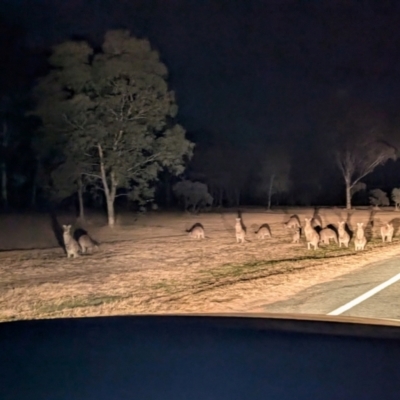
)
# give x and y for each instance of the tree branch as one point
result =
(92, 175)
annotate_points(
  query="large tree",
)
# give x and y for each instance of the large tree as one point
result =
(112, 111)
(361, 146)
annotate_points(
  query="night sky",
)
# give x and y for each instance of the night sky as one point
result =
(247, 71)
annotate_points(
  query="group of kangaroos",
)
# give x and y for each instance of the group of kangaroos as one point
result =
(313, 232)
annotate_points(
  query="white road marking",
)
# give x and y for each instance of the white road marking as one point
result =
(365, 296)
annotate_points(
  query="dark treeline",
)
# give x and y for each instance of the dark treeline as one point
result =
(93, 124)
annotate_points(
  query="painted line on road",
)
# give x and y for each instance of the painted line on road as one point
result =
(365, 296)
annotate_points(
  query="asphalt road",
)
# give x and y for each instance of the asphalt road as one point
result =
(327, 297)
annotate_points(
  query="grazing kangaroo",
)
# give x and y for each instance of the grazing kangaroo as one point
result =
(292, 223)
(87, 244)
(197, 232)
(240, 232)
(312, 236)
(296, 236)
(327, 234)
(344, 237)
(263, 232)
(360, 240)
(387, 232)
(71, 245)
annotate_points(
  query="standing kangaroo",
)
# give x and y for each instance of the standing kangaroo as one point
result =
(344, 237)
(71, 245)
(312, 236)
(240, 232)
(360, 240)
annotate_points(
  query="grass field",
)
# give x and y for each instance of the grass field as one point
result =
(149, 264)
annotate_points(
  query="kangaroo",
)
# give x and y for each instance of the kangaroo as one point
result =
(197, 232)
(292, 223)
(387, 232)
(344, 237)
(87, 244)
(360, 240)
(240, 232)
(263, 232)
(71, 245)
(296, 236)
(312, 236)
(327, 234)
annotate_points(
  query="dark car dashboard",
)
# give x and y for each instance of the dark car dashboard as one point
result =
(200, 357)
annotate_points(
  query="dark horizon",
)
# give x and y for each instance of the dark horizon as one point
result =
(253, 74)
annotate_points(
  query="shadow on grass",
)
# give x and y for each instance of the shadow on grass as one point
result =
(57, 230)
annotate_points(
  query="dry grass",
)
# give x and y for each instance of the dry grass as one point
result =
(151, 265)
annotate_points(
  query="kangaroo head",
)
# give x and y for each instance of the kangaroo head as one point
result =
(66, 228)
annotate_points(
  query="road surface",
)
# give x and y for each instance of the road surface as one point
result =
(330, 296)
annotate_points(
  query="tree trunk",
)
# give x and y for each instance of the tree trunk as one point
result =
(33, 194)
(168, 196)
(348, 194)
(237, 195)
(220, 197)
(271, 185)
(110, 211)
(4, 194)
(80, 199)
(35, 172)
(217, 194)
(110, 191)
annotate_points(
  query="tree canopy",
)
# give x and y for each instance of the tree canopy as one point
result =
(112, 113)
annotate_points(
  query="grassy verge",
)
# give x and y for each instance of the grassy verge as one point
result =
(95, 291)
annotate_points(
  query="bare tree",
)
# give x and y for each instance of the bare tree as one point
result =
(361, 147)
(360, 161)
